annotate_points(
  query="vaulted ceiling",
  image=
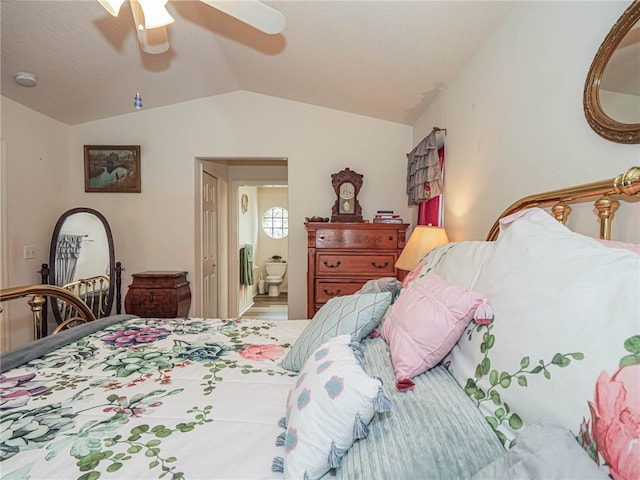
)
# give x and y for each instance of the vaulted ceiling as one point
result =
(384, 59)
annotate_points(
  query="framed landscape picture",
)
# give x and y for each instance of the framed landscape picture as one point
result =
(112, 168)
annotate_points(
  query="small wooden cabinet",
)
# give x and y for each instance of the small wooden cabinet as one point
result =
(158, 295)
(341, 257)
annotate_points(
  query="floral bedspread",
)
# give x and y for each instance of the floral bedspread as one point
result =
(150, 398)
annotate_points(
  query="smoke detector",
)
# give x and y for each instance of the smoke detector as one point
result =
(25, 79)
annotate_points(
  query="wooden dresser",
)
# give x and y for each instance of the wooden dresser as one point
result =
(343, 256)
(158, 295)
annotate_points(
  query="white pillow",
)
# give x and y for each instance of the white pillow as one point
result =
(381, 285)
(329, 408)
(565, 341)
(455, 262)
(544, 451)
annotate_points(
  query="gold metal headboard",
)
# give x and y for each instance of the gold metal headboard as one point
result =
(38, 292)
(626, 184)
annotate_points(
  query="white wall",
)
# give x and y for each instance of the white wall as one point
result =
(154, 230)
(39, 191)
(515, 122)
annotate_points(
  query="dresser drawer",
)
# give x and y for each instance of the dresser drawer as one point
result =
(341, 257)
(327, 289)
(367, 265)
(156, 302)
(378, 239)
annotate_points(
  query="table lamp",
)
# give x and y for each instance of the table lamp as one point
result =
(424, 238)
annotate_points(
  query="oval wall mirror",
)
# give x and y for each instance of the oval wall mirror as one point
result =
(612, 89)
(82, 260)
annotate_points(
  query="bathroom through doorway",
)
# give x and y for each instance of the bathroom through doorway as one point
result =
(263, 246)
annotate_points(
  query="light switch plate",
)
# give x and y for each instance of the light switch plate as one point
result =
(29, 251)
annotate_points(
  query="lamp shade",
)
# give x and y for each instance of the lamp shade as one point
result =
(423, 239)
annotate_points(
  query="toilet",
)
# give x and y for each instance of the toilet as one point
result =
(275, 275)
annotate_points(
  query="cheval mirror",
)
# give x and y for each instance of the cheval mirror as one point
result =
(612, 88)
(82, 260)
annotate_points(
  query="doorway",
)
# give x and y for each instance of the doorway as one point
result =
(266, 235)
(268, 308)
(230, 173)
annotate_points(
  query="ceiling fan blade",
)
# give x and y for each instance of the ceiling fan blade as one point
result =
(154, 41)
(253, 12)
(151, 40)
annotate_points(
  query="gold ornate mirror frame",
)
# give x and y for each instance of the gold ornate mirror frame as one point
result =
(601, 123)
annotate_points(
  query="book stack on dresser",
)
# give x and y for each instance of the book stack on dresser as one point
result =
(387, 216)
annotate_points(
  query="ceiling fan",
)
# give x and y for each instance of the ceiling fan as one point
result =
(151, 18)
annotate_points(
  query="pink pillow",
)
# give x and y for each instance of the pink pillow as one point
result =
(424, 324)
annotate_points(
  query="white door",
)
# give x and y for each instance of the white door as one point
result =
(209, 246)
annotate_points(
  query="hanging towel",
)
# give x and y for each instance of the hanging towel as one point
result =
(246, 265)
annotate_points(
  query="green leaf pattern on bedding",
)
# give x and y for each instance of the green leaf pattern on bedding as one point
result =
(100, 375)
(502, 380)
(70, 358)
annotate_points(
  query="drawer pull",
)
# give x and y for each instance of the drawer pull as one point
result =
(321, 237)
(150, 297)
(390, 238)
(331, 294)
(380, 266)
(336, 265)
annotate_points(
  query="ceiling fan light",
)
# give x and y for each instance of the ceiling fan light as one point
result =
(155, 13)
(112, 6)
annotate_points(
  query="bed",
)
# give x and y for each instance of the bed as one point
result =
(463, 371)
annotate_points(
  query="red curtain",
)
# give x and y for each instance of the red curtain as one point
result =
(430, 211)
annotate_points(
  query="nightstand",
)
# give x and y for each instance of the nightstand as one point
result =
(158, 295)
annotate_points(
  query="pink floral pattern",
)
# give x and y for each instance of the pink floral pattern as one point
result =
(16, 391)
(263, 352)
(483, 322)
(615, 427)
(135, 335)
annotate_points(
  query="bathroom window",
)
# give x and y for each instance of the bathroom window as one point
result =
(275, 222)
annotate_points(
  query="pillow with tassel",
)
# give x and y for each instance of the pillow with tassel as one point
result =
(426, 322)
(328, 408)
(356, 315)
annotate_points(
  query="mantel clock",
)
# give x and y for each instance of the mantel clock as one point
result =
(346, 208)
